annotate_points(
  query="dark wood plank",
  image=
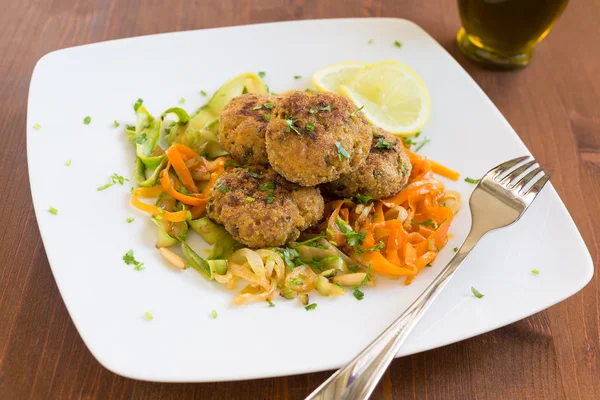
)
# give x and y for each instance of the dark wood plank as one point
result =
(553, 104)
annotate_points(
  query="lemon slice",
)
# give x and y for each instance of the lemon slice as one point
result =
(329, 79)
(394, 97)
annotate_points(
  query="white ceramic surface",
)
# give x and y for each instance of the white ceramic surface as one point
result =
(85, 242)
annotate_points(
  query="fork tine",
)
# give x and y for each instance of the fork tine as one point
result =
(537, 187)
(506, 165)
(514, 174)
(518, 186)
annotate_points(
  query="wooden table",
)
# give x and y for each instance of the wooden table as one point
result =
(554, 104)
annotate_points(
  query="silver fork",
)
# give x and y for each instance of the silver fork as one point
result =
(499, 199)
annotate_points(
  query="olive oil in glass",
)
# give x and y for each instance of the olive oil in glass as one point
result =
(502, 33)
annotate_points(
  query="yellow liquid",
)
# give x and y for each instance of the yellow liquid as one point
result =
(505, 31)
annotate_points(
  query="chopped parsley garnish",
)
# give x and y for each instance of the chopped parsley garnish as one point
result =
(116, 123)
(245, 90)
(231, 163)
(429, 265)
(355, 112)
(342, 153)
(428, 222)
(148, 316)
(370, 41)
(362, 199)
(309, 90)
(37, 126)
(314, 239)
(203, 93)
(535, 271)
(87, 120)
(214, 314)
(254, 174)
(222, 188)
(326, 108)
(310, 126)
(338, 285)
(267, 116)
(476, 292)
(288, 256)
(397, 43)
(383, 144)
(129, 219)
(271, 304)
(262, 74)
(138, 104)
(353, 237)
(270, 187)
(256, 107)
(455, 249)
(130, 260)
(290, 126)
(182, 100)
(472, 181)
(161, 210)
(114, 179)
(358, 294)
(313, 110)
(249, 199)
(68, 163)
(268, 106)
(423, 143)
(377, 247)
(53, 210)
(140, 139)
(297, 77)
(296, 282)
(311, 307)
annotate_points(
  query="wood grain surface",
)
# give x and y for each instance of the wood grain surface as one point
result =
(554, 105)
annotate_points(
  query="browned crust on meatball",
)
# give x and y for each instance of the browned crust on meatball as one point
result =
(310, 156)
(242, 127)
(384, 173)
(240, 201)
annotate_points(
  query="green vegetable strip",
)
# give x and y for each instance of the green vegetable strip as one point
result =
(182, 115)
(197, 262)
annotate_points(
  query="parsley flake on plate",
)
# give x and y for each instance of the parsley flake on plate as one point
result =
(182, 100)
(472, 181)
(262, 74)
(455, 249)
(114, 179)
(68, 163)
(297, 77)
(535, 271)
(87, 120)
(271, 304)
(203, 93)
(130, 260)
(53, 210)
(129, 219)
(370, 41)
(116, 124)
(476, 292)
(342, 153)
(148, 316)
(37, 126)
(214, 314)
(397, 43)
(358, 294)
(311, 307)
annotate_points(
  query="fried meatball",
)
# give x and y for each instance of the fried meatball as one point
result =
(262, 209)
(384, 174)
(314, 138)
(242, 127)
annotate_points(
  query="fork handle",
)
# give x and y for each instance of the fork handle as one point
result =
(357, 379)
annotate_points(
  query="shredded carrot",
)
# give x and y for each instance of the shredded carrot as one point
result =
(444, 171)
(182, 171)
(165, 181)
(149, 208)
(185, 151)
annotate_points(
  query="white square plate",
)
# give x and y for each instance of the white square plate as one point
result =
(86, 241)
